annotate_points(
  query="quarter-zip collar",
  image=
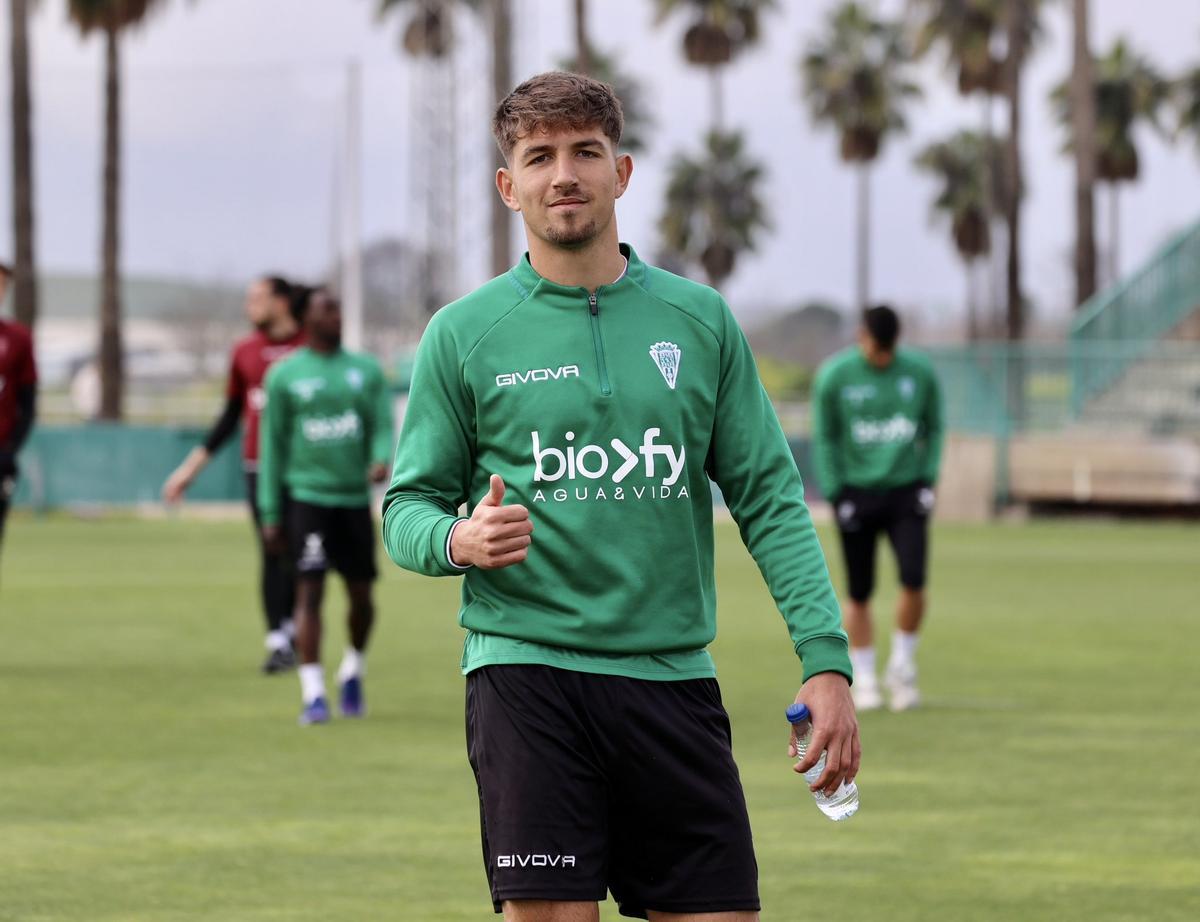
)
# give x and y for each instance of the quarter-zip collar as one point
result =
(527, 280)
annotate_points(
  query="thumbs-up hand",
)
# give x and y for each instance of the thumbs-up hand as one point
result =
(495, 535)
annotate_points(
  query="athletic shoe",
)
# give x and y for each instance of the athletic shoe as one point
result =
(317, 712)
(280, 660)
(351, 695)
(901, 680)
(866, 696)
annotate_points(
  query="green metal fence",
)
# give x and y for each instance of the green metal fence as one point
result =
(105, 464)
(999, 389)
(1128, 320)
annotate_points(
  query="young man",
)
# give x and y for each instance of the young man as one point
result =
(590, 395)
(326, 437)
(276, 333)
(877, 443)
(18, 397)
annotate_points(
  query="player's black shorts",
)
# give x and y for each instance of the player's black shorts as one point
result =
(903, 514)
(590, 783)
(337, 537)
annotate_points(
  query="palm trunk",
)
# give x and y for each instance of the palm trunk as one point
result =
(972, 300)
(1015, 314)
(993, 276)
(583, 48)
(111, 371)
(863, 273)
(501, 87)
(1114, 233)
(1083, 130)
(716, 97)
(25, 281)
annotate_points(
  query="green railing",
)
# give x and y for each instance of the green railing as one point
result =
(999, 389)
(1131, 316)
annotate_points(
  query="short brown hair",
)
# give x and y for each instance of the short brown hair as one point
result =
(557, 99)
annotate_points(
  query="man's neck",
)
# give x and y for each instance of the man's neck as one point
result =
(323, 346)
(279, 330)
(599, 262)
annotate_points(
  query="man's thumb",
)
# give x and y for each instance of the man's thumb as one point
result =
(495, 496)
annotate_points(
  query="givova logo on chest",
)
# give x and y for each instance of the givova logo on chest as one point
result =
(509, 379)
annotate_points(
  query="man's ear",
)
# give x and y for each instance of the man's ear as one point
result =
(507, 189)
(624, 172)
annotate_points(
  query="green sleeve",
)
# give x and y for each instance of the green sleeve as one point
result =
(272, 449)
(935, 429)
(825, 435)
(752, 464)
(381, 433)
(434, 458)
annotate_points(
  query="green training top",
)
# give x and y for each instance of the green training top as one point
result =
(328, 417)
(605, 415)
(876, 427)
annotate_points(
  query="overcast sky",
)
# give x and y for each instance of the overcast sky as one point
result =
(234, 108)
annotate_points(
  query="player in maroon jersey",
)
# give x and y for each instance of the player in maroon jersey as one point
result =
(18, 397)
(276, 333)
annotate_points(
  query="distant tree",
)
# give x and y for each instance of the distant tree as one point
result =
(111, 18)
(638, 122)
(1083, 129)
(968, 31)
(719, 30)
(1187, 94)
(1128, 90)
(855, 78)
(713, 209)
(429, 26)
(1021, 23)
(965, 166)
(24, 265)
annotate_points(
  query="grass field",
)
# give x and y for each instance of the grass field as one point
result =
(147, 772)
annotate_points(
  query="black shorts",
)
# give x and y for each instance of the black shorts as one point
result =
(590, 783)
(901, 512)
(338, 537)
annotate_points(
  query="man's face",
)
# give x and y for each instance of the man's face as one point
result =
(323, 318)
(259, 304)
(564, 182)
(874, 353)
(3, 286)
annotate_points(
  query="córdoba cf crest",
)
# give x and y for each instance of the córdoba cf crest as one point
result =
(666, 357)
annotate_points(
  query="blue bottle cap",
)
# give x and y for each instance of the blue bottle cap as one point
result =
(797, 713)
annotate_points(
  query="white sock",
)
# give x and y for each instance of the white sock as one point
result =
(904, 647)
(312, 682)
(277, 640)
(288, 627)
(354, 665)
(862, 660)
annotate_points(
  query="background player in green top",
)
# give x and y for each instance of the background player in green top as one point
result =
(877, 444)
(578, 405)
(326, 437)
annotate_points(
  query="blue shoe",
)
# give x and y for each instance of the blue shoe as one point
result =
(351, 696)
(315, 713)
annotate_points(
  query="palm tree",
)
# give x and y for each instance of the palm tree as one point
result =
(583, 45)
(1187, 93)
(25, 287)
(111, 17)
(1083, 128)
(1021, 27)
(1127, 90)
(855, 79)
(968, 31)
(429, 32)
(719, 30)
(713, 211)
(627, 89)
(965, 166)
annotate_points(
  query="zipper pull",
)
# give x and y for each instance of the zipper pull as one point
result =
(592, 304)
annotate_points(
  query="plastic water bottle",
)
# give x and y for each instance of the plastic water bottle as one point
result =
(842, 803)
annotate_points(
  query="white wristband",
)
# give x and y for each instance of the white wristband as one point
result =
(449, 538)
